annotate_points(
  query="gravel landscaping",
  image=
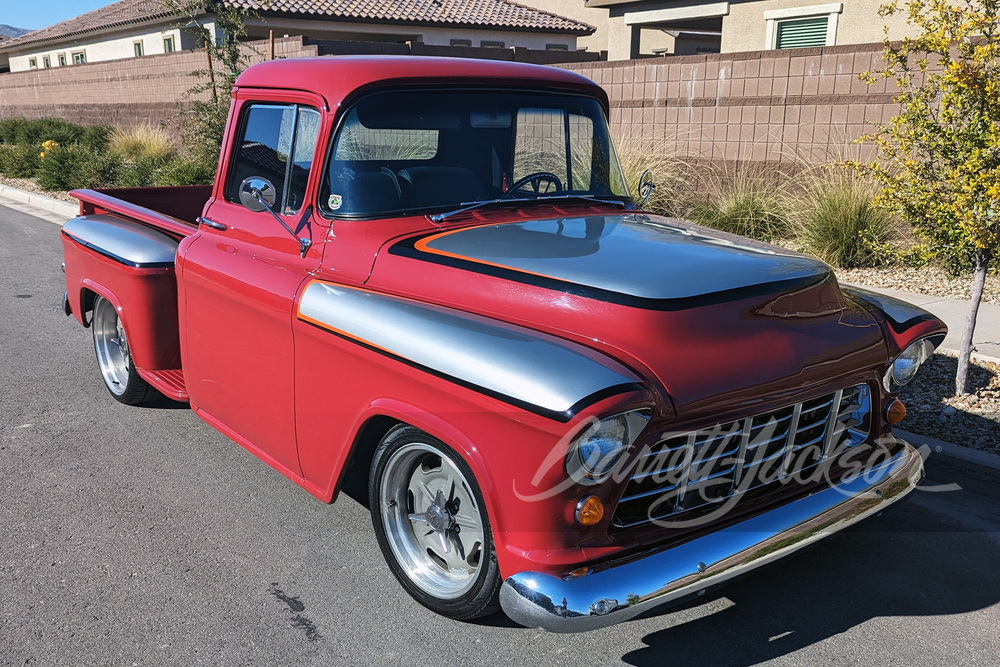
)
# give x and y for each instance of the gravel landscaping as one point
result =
(29, 185)
(929, 280)
(933, 410)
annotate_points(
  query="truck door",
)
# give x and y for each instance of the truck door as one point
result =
(238, 282)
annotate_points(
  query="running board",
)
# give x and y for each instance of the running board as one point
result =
(169, 382)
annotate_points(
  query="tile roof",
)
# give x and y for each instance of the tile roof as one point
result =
(502, 14)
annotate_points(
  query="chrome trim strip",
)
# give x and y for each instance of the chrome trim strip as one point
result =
(793, 431)
(831, 423)
(741, 456)
(125, 242)
(526, 368)
(601, 598)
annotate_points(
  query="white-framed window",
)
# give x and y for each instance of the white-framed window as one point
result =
(491, 44)
(32, 63)
(137, 49)
(815, 25)
(461, 42)
(556, 47)
(79, 57)
(46, 62)
(168, 44)
(62, 59)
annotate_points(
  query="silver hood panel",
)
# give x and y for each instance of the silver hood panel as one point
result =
(633, 255)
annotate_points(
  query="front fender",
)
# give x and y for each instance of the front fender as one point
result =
(901, 322)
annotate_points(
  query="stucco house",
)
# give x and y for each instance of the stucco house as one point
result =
(135, 28)
(636, 28)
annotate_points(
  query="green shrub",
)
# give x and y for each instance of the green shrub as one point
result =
(95, 137)
(746, 204)
(181, 171)
(10, 129)
(23, 131)
(19, 161)
(835, 220)
(917, 256)
(71, 167)
(138, 173)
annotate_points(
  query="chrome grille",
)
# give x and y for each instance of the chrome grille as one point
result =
(700, 468)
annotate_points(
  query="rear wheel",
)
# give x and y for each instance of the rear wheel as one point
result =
(432, 526)
(114, 358)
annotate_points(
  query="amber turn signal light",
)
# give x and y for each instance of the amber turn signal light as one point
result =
(589, 511)
(895, 412)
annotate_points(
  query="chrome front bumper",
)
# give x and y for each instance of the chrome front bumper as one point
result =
(621, 592)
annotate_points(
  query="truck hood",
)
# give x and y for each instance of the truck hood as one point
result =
(631, 259)
(704, 313)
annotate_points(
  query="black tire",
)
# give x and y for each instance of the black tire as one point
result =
(114, 358)
(422, 495)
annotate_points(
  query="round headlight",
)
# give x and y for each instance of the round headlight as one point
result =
(602, 445)
(907, 364)
(597, 450)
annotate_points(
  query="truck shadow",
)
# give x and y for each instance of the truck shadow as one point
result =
(910, 562)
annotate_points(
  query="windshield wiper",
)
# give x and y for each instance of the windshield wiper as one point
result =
(441, 217)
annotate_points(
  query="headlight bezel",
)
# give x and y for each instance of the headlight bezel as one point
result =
(897, 374)
(590, 461)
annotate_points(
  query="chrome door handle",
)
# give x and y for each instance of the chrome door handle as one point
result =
(211, 223)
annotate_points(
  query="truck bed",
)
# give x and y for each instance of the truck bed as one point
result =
(172, 210)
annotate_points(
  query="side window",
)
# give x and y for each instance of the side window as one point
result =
(276, 142)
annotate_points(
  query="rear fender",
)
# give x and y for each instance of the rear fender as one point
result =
(133, 267)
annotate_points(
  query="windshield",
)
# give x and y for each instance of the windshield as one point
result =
(423, 151)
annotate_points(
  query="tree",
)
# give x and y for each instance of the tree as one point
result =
(221, 28)
(939, 158)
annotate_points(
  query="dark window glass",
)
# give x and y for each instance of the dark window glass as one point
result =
(415, 152)
(277, 143)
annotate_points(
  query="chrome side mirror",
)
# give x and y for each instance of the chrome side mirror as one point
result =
(645, 187)
(257, 194)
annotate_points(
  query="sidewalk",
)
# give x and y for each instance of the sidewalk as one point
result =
(986, 339)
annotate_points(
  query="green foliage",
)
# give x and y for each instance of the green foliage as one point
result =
(19, 161)
(940, 155)
(138, 173)
(744, 203)
(95, 137)
(72, 167)
(916, 256)
(180, 171)
(835, 219)
(23, 131)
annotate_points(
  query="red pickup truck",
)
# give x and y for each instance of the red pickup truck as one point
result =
(426, 277)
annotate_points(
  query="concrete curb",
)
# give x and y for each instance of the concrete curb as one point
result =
(955, 452)
(40, 201)
(973, 470)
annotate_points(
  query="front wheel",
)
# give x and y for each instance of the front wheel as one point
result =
(114, 358)
(432, 527)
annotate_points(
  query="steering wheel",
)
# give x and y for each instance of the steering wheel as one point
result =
(535, 180)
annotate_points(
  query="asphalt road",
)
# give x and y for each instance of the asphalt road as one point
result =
(142, 536)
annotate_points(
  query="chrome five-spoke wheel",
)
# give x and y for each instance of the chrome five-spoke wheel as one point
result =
(432, 526)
